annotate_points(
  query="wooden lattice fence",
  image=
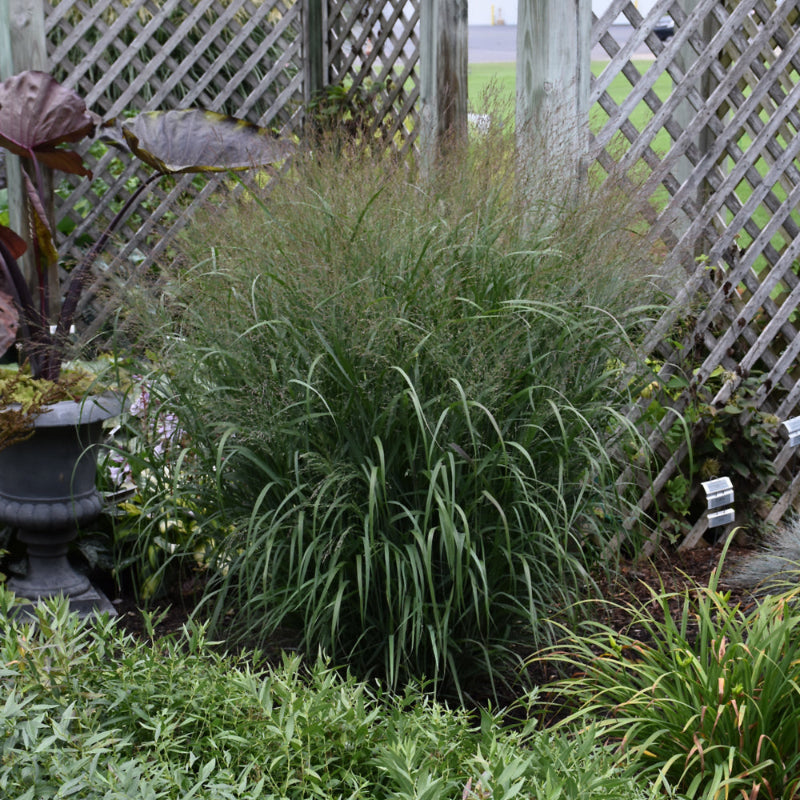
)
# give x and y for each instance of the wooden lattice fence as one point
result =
(241, 57)
(373, 45)
(716, 154)
(248, 58)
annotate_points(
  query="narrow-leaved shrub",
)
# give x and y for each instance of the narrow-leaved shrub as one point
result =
(88, 711)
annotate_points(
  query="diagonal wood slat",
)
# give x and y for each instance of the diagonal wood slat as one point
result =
(717, 141)
(241, 57)
(378, 44)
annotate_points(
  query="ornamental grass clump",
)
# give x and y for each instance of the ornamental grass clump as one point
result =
(706, 701)
(401, 398)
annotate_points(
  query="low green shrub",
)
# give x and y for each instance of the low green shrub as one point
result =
(708, 701)
(398, 399)
(88, 711)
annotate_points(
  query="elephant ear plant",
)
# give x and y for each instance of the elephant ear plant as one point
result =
(39, 120)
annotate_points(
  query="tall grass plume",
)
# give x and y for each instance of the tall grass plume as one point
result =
(406, 392)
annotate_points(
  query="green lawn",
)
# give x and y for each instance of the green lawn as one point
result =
(492, 85)
(497, 83)
(491, 80)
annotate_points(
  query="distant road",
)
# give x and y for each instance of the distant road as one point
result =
(492, 44)
(496, 44)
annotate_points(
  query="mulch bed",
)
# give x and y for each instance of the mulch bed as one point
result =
(676, 570)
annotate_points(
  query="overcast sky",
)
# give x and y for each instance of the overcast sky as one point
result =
(480, 11)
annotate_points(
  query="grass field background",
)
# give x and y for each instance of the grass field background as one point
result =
(495, 85)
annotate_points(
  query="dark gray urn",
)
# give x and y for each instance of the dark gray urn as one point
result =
(47, 491)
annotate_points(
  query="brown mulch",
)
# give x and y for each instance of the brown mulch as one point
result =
(675, 570)
(671, 572)
(168, 616)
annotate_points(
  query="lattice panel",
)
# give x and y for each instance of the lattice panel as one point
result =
(709, 128)
(374, 52)
(237, 56)
(240, 57)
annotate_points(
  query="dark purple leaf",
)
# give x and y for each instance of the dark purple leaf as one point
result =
(37, 114)
(9, 322)
(16, 244)
(200, 141)
(40, 224)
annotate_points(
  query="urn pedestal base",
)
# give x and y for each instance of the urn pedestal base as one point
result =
(47, 491)
(89, 603)
(50, 574)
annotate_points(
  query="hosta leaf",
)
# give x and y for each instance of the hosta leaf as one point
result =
(200, 141)
(37, 114)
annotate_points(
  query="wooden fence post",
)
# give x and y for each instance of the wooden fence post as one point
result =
(313, 45)
(443, 72)
(553, 77)
(23, 46)
(6, 64)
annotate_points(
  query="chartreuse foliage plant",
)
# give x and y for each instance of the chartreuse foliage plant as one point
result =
(707, 701)
(89, 711)
(399, 399)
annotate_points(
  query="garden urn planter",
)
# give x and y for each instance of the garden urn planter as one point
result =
(47, 491)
